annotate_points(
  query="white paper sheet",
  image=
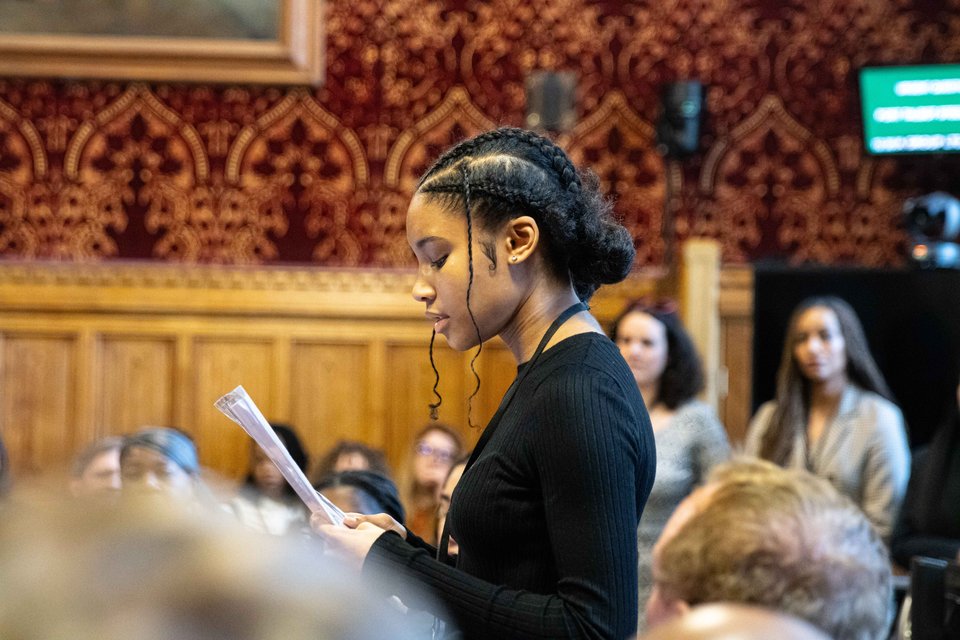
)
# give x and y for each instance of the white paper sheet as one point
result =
(239, 407)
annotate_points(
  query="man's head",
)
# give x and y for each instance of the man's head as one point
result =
(782, 539)
(96, 469)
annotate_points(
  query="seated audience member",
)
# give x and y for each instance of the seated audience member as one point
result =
(780, 539)
(446, 495)
(265, 502)
(160, 461)
(929, 523)
(832, 414)
(350, 455)
(435, 448)
(96, 469)
(159, 570)
(362, 491)
(728, 621)
(690, 438)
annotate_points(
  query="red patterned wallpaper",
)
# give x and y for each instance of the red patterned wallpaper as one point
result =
(94, 170)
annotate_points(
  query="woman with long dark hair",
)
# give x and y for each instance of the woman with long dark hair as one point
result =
(833, 413)
(690, 438)
(511, 240)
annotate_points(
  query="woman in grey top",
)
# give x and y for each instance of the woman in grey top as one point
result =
(832, 414)
(689, 437)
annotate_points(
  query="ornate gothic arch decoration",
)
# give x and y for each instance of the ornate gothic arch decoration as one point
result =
(298, 162)
(618, 145)
(134, 161)
(24, 208)
(417, 147)
(768, 185)
(720, 42)
(501, 49)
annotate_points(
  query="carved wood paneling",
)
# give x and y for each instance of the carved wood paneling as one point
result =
(220, 364)
(92, 350)
(38, 402)
(134, 382)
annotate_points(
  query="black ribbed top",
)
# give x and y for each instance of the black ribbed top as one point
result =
(547, 517)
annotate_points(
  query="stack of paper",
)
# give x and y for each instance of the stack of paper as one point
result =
(239, 407)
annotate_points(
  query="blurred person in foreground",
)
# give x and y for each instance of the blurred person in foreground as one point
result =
(156, 570)
(95, 471)
(726, 621)
(778, 538)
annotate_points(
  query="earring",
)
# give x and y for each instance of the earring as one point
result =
(514, 258)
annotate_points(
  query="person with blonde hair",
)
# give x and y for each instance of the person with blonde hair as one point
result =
(782, 539)
(435, 448)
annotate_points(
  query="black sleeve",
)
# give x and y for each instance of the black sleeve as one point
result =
(587, 457)
(908, 540)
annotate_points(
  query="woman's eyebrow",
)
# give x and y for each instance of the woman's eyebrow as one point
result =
(425, 241)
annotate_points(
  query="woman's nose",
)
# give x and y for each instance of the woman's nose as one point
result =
(422, 291)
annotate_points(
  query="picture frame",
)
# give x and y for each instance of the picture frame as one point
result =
(295, 56)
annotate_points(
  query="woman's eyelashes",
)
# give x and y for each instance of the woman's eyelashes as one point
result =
(439, 262)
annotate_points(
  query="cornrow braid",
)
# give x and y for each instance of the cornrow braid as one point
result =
(462, 150)
(517, 172)
(435, 406)
(557, 161)
(466, 202)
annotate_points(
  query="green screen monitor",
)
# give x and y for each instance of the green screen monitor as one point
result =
(911, 109)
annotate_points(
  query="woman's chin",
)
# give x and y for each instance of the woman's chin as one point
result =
(460, 343)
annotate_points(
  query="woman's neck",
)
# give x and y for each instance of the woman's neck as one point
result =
(534, 316)
(651, 394)
(827, 393)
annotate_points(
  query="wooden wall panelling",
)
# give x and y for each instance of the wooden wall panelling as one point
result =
(332, 394)
(411, 380)
(220, 364)
(136, 374)
(90, 350)
(736, 348)
(38, 405)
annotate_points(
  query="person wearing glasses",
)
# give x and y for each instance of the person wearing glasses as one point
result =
(690, 438)
(434, 451)
(511, 240)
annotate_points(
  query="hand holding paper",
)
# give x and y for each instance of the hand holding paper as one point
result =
(239, 407)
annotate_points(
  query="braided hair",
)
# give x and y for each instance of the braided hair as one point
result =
(507, 172)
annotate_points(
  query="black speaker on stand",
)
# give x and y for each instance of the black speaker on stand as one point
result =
(678, 135)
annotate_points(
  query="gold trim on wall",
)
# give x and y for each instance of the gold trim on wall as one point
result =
(294, 57)
(240, 290)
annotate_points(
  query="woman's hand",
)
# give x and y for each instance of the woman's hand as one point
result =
(350, 545)
(352, 541)
(382, 520)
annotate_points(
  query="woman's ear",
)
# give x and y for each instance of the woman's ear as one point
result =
(521, 238)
